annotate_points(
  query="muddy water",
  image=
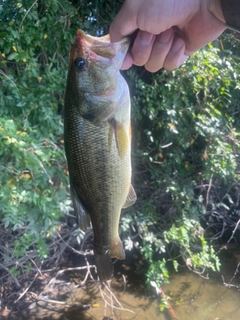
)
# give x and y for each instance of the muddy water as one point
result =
(192, 298)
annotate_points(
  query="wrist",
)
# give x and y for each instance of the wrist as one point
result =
(214, 6)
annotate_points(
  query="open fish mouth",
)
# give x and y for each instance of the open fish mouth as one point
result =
(92, 47)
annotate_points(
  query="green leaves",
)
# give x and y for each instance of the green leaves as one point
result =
(32, 161)
(186, 154)
(13, 56)
(197, 254)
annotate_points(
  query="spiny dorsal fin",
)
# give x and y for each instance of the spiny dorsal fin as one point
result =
(131, 198)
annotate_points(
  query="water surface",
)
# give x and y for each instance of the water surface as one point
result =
(192, 297)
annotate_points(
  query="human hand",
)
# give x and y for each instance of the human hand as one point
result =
(167, 31)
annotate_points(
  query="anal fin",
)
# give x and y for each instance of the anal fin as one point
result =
(131, 198)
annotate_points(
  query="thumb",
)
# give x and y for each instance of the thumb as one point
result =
(125, 22)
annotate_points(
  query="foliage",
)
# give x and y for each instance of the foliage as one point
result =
(35, 39)
(187, 146)
(185, 240)
(33, 66)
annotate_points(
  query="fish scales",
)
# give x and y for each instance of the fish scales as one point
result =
(98, 142)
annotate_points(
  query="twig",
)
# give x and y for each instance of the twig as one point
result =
(215, 237)
(4, 74)
(33, 262)
(64, 270)
(14, 279)
(26, 290)
(124, 283)
(84, 253)
(49, 178)
(88, 272)
(166, 145)
(228, 285)
(208, 190)
(114, 307)
(107, 286)
(86, 237)
(235, 273)
(62, 303)
(235, 229)
(200, 273)
(35, 277)
(20, 27)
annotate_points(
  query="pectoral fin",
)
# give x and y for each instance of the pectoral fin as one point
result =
(122, 139)
(82, 215)
(131, 198)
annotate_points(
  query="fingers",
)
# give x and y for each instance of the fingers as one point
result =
(175, 56)
(160, 49)
(155, 52)
(165, 50)
(142, 47)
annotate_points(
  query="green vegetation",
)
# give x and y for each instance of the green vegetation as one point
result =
(186, 138)
(186, 158)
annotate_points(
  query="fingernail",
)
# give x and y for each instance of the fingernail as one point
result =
(177, 45)
(166, 36)
(145, 38)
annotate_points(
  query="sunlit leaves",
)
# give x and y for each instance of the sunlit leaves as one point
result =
(187, 133)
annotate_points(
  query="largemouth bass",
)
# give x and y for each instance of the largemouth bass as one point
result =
(97, 137)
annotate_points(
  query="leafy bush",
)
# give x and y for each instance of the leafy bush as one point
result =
(186, 155)
(34, 50)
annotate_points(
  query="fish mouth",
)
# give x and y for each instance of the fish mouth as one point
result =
(91, 47)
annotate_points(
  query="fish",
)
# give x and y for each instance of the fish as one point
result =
(97, 138)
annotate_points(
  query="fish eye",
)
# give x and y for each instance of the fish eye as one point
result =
(80, 63)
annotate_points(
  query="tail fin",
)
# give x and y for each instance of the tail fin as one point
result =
(104, 266)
